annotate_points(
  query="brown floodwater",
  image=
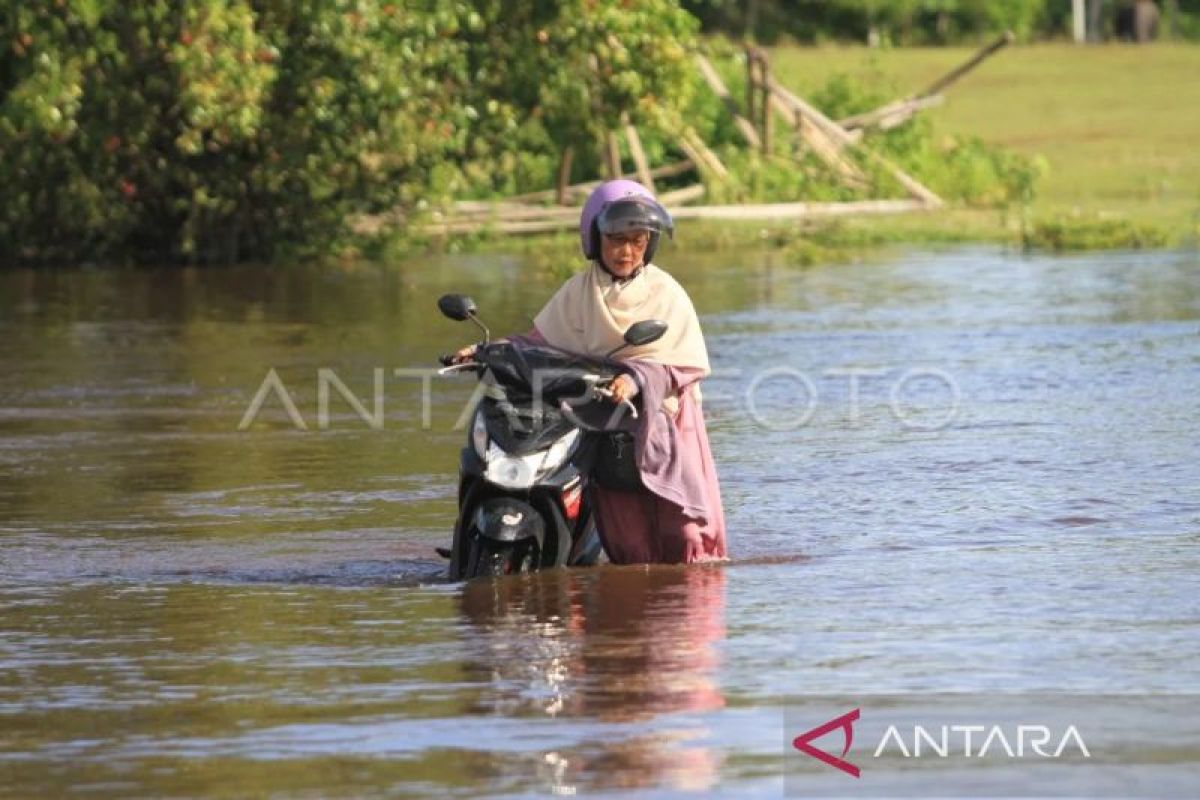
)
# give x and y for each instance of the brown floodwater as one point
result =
(962, 472)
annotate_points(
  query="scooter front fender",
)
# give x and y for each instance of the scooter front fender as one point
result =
(505, 519)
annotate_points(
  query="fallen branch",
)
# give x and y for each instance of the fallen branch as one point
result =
(891, 115)
(713, 79)
(942, 83)
(680, 196)
(810, 112)
(641, 164)
(799, 210)
(612, 155)
(839, 135)
(700, 154)
(900, 111)
(822, 144)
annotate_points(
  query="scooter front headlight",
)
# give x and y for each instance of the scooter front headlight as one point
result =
(559, 452)
(479, 436)
(521, 472)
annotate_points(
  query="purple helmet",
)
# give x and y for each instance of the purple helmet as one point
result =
(618, 206)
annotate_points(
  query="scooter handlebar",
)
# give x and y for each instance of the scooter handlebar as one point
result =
(450, 363)
(607, 394)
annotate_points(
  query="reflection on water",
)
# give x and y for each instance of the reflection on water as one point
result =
(188, 609)
(616, 645)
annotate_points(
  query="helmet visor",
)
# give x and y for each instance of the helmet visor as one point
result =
(630, 214)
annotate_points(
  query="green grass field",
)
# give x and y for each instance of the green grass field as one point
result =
(1118, 124)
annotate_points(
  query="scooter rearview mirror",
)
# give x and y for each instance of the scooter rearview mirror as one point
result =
(645, 332)
(640, 333)
(457, 307)
(460, 308)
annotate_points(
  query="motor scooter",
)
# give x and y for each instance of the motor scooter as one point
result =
(526, 470)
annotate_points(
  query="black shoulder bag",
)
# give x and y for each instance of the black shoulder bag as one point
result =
(614, 462)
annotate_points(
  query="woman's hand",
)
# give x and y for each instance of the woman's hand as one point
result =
(623, 387)
(464, 355)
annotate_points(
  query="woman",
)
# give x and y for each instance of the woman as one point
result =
(676, 517)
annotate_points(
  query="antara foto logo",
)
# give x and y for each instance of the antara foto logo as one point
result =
(977, 741)
(846, 721)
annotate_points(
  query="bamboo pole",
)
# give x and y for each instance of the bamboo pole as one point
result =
(698, 151)
(889, 116)
(713, 79)
(910, 184)
(767, 118)
(641, 165)
(483, 210)
(938, 86)
(694, 155)
(810, 112)
(822, 144)
(612, 155)
(665, 171)
(839, 134)
(798, 143)
(680, 196)
(759, 75)
(899, 111)
(767, 211)
(751, 89)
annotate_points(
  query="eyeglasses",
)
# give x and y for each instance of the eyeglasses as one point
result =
(639, 240)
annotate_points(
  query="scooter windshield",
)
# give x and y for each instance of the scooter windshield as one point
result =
(553, 374)
(524, 415)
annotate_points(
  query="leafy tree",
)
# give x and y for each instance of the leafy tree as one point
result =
(215, 129)
(224, 130)
(545, 76)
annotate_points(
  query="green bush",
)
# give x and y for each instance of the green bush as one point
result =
(541, 77)
(1064, 233)
(227, 130)
(215, 129)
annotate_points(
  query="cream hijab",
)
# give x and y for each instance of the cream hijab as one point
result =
(590, 313)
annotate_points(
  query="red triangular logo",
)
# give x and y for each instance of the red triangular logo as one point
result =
(846, 721)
